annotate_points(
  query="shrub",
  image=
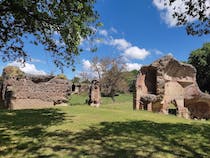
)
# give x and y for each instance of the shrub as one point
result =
(61, 76)
(12, 71)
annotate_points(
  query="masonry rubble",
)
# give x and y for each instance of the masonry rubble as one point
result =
(168, 81)
(94, 94)
(31, 92)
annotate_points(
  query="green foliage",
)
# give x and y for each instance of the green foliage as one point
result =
(112, 130)
(112, 78)
(76, 80)
(197, 9)
(59, 25)
(61, 76)
(200, 59)
(12, 71)
(130, 77)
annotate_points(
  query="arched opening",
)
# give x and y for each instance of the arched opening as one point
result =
(73, 87)
(172, 109)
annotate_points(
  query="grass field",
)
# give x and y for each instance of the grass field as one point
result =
(113, 130)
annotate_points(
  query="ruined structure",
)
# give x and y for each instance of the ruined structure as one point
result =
(21, 91)
(166, 82)
(76, 88)
(94, 94)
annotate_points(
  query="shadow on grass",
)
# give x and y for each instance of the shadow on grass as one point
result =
(23, 134)
(136, 139)
(24, 129)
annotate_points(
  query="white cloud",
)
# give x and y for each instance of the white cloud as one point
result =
(113, 30)
(37, 60)
(136, 53)
(28, 68)
(103, 32)
(179, 6)
(158, 52)
(59, 43)
(121, 43)
(86, 64)
(128, 50)
(88, 69)
(56, 33)
(133, 66)
(170, 54)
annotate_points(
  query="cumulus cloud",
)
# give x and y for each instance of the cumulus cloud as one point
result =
(88, 69)
(59, 43)
(28, 68)
(103, 32)
(86, 64)
(179, 6)
(170, 54)
(129, 51)
(34, 60)
(158, 52)
(136, 53)
(121, 43)
(133, 66)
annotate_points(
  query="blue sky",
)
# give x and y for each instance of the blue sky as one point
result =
(139, 30)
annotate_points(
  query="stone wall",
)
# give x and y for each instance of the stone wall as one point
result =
(34, 92)
(168, 81)
(94, 94)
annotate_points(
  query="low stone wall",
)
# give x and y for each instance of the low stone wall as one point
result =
(30, 92)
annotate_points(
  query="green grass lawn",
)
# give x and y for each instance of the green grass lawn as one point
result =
(112, 130)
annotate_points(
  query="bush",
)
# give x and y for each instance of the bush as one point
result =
(12, 71)
(61, 76)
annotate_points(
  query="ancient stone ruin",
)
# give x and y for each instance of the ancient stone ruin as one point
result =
(94, 94)
(22, 91)
(168, 82)
(76, 88)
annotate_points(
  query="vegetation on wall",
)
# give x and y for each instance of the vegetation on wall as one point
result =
(12, 71)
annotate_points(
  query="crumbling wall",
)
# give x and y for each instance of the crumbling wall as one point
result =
(168, 81)
(34, 91)
(1, 86)
(94, 94)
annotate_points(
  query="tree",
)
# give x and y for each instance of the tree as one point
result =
(113, 80)
(111, 73)
(200, 59)
(84, 77)
(76, 80)
(96, 67)
(130, 77)
(58, 25)
(198, 9)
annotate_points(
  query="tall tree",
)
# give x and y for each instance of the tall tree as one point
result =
(193, 9)
(200, 59)
(113, 79)
(69, 20)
